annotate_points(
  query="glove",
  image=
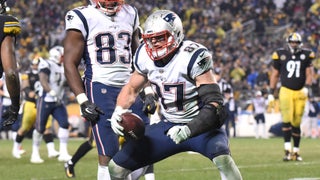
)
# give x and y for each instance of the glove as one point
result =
(270, 98)
(150, 104)
(90, 111)
(270, 95)
(10, 115)
(307, 91)
(116, 118)
(179, 133)
(53, 94)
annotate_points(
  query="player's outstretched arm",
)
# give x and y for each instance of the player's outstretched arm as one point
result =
(9, 64)
(126, 98)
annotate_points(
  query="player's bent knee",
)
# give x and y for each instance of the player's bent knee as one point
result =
(117, 172)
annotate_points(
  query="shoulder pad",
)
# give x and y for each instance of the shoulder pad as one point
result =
(275, 55)
(11, 25)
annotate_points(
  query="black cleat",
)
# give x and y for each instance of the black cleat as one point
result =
(287, 156)
(296, 157)
(69, 169)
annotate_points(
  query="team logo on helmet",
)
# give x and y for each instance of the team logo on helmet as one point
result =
(170, 18)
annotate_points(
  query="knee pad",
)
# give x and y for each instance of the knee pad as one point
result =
(296, 130)
(286, 125)
(117, 171)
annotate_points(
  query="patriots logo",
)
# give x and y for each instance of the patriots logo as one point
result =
(202, 63)
(170, 18)
(69, 17)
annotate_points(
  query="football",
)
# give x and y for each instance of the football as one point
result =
(133, 126)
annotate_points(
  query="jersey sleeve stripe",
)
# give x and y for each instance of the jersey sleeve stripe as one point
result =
(135, 17)
(84, 21)
(136, 58)
(193, 60)
(12, 27)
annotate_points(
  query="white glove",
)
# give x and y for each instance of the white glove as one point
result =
(52, 93)
(116, 118)
(179, 133)
(305, 91)
(270, 98)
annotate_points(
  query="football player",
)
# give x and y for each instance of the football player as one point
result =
(180, 72)
(52, 80)
(30, 86)
(10, 29)
(105, 35)
(293, 65)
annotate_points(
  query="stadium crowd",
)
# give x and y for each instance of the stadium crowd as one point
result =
(241, 33)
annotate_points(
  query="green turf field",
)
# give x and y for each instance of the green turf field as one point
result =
(258, 159)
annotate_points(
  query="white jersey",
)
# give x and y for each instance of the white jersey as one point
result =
(107, 54)
(56, 79)
(175, 82)
(259, 104)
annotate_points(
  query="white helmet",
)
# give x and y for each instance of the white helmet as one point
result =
(162, 25)
(56, 54)
(294, 38)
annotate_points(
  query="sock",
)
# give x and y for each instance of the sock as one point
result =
(81, 151)
(36, 140)
(14, 135)
(103, 173)
(136, 174)
(227, 167)
(287, 146)
(63, 135)
(149, 176)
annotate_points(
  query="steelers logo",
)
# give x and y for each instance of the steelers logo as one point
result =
(302, 56)
(283, 57)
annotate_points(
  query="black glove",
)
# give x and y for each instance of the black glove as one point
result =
(90, 111)
(10, 115)
(150, 104)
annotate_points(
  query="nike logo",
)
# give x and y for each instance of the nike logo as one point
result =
(201, 55)
(88, 110)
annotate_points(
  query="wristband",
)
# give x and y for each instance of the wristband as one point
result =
(118, 109)
(148, 90)
(271, 91)
(81, 98)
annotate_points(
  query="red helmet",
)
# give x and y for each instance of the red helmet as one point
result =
(110, 7)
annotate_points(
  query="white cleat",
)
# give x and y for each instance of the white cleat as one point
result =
(36, 160)
(53, 154)
(22, 151)
(64, 157)
(16, 154)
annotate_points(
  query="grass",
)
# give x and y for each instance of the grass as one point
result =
(257, 159)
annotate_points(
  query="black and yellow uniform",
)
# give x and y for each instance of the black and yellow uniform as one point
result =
(292, 68)
(29, 107)
(10, 27)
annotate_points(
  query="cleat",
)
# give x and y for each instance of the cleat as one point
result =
(53, 154)
(69, 170)
(287, 156)
(64, 157)
(16, 154)
(296, 157)
(22, 151)
(36, 160)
